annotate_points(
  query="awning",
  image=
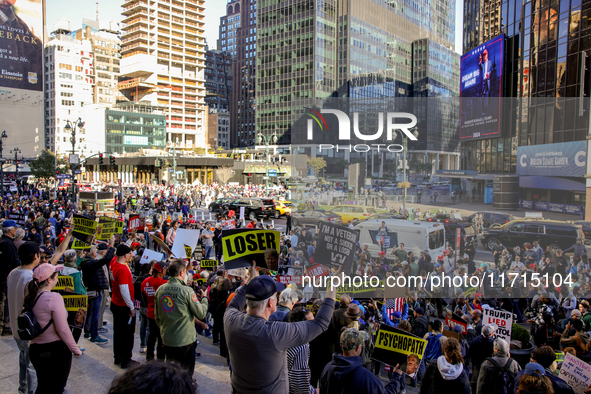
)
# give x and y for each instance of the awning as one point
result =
(550, 182)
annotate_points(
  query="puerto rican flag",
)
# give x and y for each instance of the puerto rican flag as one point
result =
(393, 305)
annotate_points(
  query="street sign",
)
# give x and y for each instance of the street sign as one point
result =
(63, 176)
(265, 178)
(74, 158)
(272, 172)
(77, 172)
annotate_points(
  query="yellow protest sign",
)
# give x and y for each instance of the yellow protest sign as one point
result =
(242, 246)
(80, 245)
(84, 229)
(64, 282)
(118, 227)
(188, 251)
(75, 302)
(394, 346)
(209, 263)
(106, 228)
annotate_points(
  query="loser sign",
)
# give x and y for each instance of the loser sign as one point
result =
(243, 246)
(502, 319)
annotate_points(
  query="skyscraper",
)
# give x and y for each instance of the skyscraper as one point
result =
(163, 61)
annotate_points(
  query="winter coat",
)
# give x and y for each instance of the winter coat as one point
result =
(487, 383)
(421, 326)
(443, 377)
(480, 348)
(559, 385)
(93, 274)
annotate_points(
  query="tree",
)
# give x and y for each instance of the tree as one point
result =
(43, 167)
(316, 164)
(223, 174)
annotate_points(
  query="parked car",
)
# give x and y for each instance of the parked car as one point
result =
(313, 218)
(219, 204)
(558, 235)
(353, 212)
(493, 219)
(282, 207)
(254, 207)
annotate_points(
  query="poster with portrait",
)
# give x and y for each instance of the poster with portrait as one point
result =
(77, 306)
(21, 44)
(397, 347)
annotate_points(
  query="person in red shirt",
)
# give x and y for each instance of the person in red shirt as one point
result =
(252, 224)
(122, 306)
(149, 287)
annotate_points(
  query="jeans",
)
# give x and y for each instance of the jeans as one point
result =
(153, 335)
(208, 252)
(143, 327)
(103, 306)
(52, 362)
(94, 310)
(517, 310)
(27, 378)
(184, 355)
(122, 334)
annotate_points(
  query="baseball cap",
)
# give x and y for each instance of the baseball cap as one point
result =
(262, 287)
(534, 369)
(420, 311)
(102, 246)
(160, 266)
(45, 270)
(9, 223)
(122, 250)
(437, 265)
(351, 338)
(46, 250)
(382, 253)
(575, 312)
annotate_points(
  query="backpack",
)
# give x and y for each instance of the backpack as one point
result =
(28, 327)
(504, 375)
(433, 350)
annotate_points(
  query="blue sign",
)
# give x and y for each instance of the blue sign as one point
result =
(488, 195)
(272, 172)
(481, 77)
(563, 159)
(77, 172)
(551, 207)
(63, 176)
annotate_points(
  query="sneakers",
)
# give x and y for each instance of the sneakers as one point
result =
(128, 364)
(143, 350)
(86, 335)
(103, 330)
(98, 339)
(197, 355)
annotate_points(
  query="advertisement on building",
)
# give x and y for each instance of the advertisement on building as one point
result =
(481, 76)
(21, 44)
(563, 159)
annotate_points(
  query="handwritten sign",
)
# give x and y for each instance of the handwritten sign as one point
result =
(575, 372)
(502, 319)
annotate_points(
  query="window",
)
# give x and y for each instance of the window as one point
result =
(517, 228)
(533, 228)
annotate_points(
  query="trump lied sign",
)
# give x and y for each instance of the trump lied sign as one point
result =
(501, 319)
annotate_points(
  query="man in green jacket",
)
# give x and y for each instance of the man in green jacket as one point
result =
(176, 307)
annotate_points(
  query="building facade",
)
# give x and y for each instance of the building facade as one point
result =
(218, 129)
(163, 62)
(218, 80)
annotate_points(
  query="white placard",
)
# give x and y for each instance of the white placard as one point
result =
(241, 213)
(576, 373)
(150, 255)
(502, 319)
(184, 237)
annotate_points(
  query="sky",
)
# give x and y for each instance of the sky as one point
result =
(111, 10)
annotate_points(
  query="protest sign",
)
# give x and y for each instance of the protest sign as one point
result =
(450, 334)
(19, 218)
(228, 224)
(76, 305)
(336, 246)
(454, 319)
(84, 229)
(209, 263)
(161, 243)
(184, 238)
(360, 290)
(394, 346)
(77, 244)
(198, 253)
(576, 373)
(135, 224)
(106, 228)
(317, 271)
(242, 209)
(64, 282)
(288, 279)
(502, 319)
(150, 255)
(119, 227)
(243, 246)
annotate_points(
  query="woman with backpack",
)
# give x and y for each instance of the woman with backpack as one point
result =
(51, 351)
(446, 374)
(498, 372)
(435, 342)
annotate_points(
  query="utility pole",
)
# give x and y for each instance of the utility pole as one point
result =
(2, 138)
(77, 124)
(266, 140)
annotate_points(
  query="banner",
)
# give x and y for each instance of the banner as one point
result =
(106, 228)
(336, 246)
(150, 255)
(228, 224)
(454, 319)
(84, 229)
(576, 373)
(19, 218)
(562, 159)
(243, 246)
(209, 263)
(394, 346)
(183, 240)
(502, 319)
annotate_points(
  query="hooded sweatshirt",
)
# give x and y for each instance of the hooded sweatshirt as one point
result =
(580, 341)
(346, 375)
(443, 377)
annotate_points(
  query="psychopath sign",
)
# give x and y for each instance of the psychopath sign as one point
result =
(394, 346)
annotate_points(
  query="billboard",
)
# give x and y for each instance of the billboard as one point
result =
(562, 159)
(21, 44)
(481, 76)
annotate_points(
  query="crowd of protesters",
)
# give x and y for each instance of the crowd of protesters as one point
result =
(274, 339)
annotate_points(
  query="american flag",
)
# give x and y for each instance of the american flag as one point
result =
(393, 305)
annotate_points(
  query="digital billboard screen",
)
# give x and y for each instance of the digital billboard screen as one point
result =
(481, 76)
(21, 44)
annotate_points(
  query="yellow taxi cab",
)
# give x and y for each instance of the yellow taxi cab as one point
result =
(349, 212)
(281, 208)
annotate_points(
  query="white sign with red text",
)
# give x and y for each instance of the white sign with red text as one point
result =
(502, 319)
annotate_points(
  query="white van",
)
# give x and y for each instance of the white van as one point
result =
(416, 236)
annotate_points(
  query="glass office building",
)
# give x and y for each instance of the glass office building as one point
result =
(130, 128)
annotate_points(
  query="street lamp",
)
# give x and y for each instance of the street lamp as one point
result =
(266, 139)
(68, 127)
(16, 151)
(405, 149)
(2, 138)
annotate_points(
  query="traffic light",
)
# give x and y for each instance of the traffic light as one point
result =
(100, 158)
(112, 160)
(57, 172)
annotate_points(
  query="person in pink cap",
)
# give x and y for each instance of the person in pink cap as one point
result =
(50, 352)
